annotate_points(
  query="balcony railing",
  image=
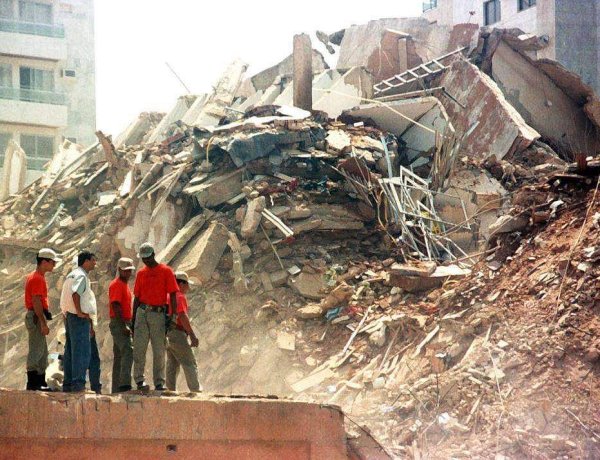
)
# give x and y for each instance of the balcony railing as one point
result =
(33, 95)
(30, 28)
(431, 4)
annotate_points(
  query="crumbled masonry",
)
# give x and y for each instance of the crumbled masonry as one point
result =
(423, 252)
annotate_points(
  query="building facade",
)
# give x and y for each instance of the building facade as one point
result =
(47, 77)
(571, 26)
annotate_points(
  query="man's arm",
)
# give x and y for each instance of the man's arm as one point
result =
(116, 307)
(77, 302)
(136, 304)
(173, 303)
(185, 322)
(38, 308)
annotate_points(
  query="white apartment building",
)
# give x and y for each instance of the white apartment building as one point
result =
(47, 77)
(570, 26)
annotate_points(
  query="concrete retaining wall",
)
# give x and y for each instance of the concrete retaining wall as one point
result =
(59, 425)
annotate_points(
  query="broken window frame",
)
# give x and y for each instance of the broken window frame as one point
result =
(38, 155)
(489, 7)
(526, 4)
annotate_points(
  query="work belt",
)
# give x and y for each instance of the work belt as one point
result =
(153, 307)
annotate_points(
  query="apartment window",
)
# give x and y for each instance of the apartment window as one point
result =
(36, 13)
(5, 76)
(70, 73)
(39, 150)
(4, 139)
(491, 12)
(6, 9)
(525, 4)
(36, 79)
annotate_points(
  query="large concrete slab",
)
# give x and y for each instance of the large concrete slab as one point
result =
(205, 253)
(66, 426)
(558, 114)
(491, 124)
(397, 116)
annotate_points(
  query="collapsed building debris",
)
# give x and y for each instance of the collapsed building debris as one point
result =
(396, 255)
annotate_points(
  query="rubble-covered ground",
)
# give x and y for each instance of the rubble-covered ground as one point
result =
(449, 309)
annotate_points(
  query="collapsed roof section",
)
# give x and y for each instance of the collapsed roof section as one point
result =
(551, 98)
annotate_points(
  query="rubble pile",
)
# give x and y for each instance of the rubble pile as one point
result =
(425, 259)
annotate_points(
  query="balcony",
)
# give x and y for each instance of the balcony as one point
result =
(430, 5)
(33, 107)
(42, 41)
(30, 28)
(32, 95)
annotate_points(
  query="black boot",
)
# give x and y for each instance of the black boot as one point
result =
(41, 383)
(31, 380)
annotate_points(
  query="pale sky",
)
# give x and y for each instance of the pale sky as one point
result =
(135, 38)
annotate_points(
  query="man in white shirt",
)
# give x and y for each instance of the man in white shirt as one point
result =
(78, 304)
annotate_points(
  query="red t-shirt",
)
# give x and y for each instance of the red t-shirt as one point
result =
(35, 284)
(119, 291)
(153, 285)
(182, 306)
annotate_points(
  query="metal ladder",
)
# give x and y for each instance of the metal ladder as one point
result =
(432, 67)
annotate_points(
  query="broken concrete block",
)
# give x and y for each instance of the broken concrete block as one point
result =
(279, 278)
(253, 217)
(183, 236)
(339, 141)
(341, 295)
(499, 129)
(378, 337)
(509, 224)
(417, 268)
(425, 283)
(310, 285)
(286, 341)
(266, 281)
(312, 311)
(203, 258)
(217, 190)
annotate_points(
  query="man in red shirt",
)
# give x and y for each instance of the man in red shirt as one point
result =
(179, 350)
(154, 284)
(120, 307)
(36, 304)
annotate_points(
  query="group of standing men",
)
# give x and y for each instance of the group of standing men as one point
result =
(158, 314)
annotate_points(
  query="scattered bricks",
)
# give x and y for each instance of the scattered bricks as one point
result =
(206, 252)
